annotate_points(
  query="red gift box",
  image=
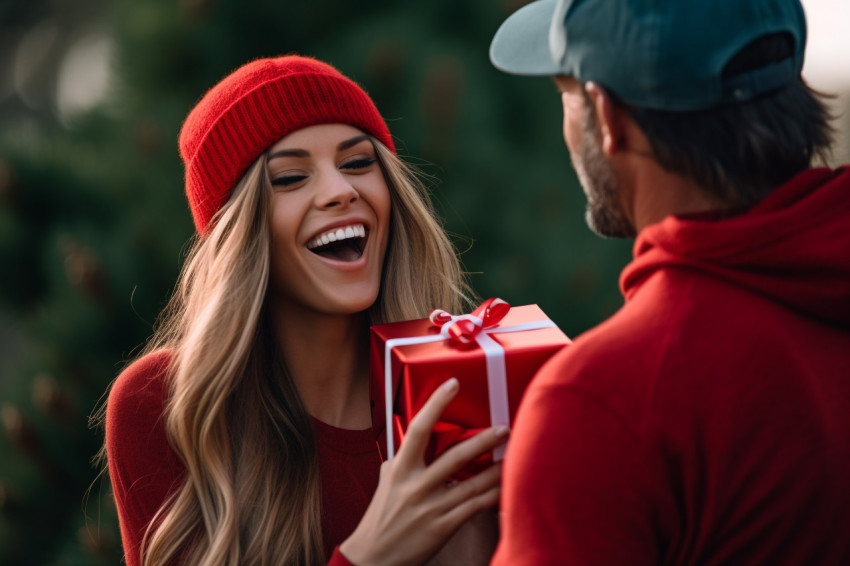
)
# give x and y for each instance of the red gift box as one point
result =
(494, 353)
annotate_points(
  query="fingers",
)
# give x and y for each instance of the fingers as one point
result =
(461, 454)
(471, 507)
(413, 512)
(469, 497)
(419, 431)
(472, 496)
(473, 487)
(419, 428)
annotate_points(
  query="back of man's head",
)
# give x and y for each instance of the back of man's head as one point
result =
(714, 84)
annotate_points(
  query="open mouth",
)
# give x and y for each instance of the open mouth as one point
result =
(340, 244)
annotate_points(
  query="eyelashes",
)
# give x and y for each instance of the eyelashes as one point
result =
(287, 180)
(359, 163)
(353, 165)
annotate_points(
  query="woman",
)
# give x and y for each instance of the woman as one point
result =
(243, 433)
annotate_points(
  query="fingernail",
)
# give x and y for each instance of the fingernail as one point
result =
(450, 385)
(502, 430)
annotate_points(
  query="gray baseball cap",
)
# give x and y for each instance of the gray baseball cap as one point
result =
(661, 54)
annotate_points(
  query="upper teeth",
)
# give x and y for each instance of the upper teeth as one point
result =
(337, 234)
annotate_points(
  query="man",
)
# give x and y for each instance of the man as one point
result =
(708, 420)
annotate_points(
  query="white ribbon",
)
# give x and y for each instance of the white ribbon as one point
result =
(497, 381)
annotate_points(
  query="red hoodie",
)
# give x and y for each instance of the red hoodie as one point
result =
(708, 421)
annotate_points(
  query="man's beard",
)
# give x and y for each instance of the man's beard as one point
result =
(604, 214)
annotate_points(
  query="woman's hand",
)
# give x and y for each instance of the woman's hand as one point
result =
(414, 511)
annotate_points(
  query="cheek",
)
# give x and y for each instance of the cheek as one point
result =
(387, 214)
(279, 226)
(385, 207)
(381, 203)
(283, 231)
(574, 110)
(565, 128)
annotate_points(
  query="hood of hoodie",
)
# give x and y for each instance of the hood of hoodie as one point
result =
(793, 247)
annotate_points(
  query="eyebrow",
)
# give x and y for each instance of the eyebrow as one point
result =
(289, 153)
(349, 143)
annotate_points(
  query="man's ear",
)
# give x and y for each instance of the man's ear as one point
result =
(609, 118)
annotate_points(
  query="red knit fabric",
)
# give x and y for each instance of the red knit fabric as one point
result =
(254, 107)
(145, 470)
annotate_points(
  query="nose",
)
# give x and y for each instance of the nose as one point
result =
(335, 190)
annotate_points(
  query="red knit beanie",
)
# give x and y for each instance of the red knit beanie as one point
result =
(254, 107)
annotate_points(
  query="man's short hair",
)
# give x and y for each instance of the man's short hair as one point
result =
(742, 151)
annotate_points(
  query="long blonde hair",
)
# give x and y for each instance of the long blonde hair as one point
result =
(251, 494)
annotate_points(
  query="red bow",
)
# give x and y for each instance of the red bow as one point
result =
(463, 329)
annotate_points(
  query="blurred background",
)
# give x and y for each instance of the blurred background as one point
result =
(93, 220)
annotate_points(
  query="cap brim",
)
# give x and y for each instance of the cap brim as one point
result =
(521, 45)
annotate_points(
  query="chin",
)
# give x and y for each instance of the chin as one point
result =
(604, 223)
(351, 303)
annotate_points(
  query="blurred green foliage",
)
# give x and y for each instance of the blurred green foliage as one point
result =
(93, 220)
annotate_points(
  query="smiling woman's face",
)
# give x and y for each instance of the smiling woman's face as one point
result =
(329, 220)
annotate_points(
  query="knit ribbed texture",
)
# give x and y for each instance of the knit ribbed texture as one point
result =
(254, 107)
